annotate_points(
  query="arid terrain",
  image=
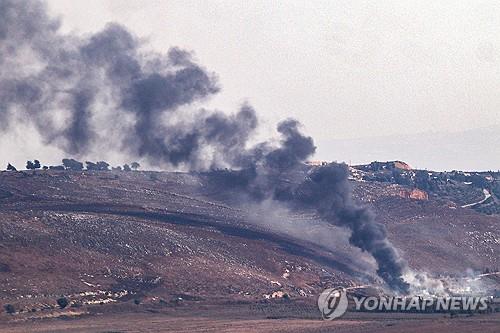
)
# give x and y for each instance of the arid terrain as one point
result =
(176, 166)
(157, 251)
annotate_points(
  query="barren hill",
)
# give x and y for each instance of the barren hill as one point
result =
(115, 237)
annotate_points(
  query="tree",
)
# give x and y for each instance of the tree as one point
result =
(126, 167)
(135, 165)
(479, 181)
(71, 164)
(102, 166)
(62, 302)
(91, 165)
(422, 180)
(400, 177)
(99, 166)
(10, 167)
(33, 165)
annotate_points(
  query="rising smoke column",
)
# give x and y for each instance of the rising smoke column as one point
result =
(261, 167)
(327, 189)
(82, 93)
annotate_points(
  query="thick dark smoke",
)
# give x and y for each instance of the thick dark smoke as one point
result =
(75, 89)
(327, 189)
(295, 148)
(86, 93)
(262, 167)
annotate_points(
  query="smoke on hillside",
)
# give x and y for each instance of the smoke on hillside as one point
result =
(104, 92)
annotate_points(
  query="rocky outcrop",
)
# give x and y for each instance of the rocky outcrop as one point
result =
(415, 194)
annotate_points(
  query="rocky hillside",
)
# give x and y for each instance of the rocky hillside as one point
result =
(121, 237)
(476, 190)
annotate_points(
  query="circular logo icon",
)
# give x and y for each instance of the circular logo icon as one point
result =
(332, 303)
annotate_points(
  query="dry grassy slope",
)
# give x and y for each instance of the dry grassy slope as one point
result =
(64, 233)
(163, 234)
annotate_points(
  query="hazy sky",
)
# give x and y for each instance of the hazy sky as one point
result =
(345, 69)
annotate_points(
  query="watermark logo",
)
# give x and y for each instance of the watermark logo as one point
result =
(333, 303)
(421, 304)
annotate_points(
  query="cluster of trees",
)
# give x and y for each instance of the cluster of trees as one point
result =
(74, 165)
(98, 166)
(424, 181)
(437, 182)
(33, 165)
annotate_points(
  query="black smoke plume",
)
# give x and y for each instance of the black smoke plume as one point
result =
(327, 189)
(86, 93)
(70, 87)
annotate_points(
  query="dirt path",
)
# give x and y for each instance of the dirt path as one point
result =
(487, 195)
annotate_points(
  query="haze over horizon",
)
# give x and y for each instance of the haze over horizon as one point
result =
(352, 73)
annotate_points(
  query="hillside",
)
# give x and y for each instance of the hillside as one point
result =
(476, 190)
(174, 239)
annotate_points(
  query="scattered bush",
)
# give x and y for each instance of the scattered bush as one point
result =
(62, 302)
(9, 308)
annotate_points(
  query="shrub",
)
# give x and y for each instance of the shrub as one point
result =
(62, 302)
(9, 308)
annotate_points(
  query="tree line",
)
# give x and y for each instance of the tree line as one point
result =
(74, 165)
